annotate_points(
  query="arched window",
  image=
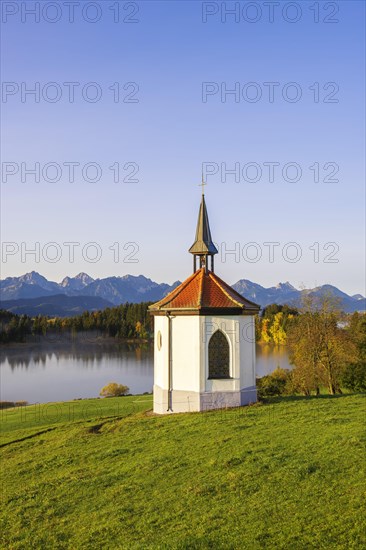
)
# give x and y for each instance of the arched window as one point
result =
(218, 356)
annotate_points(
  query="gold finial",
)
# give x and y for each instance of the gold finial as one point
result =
(202, 185)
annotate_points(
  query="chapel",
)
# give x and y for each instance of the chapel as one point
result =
(204, 338)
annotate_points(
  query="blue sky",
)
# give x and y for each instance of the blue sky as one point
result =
(169, 132)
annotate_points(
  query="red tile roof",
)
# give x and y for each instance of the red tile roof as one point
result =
(203, 292)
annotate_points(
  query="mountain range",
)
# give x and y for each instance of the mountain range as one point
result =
(28, 293)
(285, 293)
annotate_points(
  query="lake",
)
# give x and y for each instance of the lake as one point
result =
(40, 373)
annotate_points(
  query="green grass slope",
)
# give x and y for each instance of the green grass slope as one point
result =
(107, 474)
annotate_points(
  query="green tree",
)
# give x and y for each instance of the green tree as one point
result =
(354, 375)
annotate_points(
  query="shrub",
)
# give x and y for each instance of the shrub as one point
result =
(273, 384)
(6, 404)
(114, 390)
(11, 404)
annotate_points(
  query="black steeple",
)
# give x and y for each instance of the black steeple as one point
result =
(203, 245)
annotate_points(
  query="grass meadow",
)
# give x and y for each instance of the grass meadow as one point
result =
(107, 473)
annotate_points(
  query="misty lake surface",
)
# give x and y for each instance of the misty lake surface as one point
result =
(40, 373)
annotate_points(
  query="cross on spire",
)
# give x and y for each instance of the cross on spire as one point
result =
(202, 185)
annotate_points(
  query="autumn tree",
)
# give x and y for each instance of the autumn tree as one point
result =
(272, 325)
(265, 337)
(114, 390)
(276, 330)
(304, 349)
(319, 347)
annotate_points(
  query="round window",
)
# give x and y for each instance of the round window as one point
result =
(159, 339)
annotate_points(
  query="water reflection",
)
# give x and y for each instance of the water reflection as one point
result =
(86, 354)
(270, 357)
(46, 372)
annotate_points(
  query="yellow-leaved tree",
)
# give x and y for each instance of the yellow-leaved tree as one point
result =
(114, 390)
(277, 331)
(265, 337)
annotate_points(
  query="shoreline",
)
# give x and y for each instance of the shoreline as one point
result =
(62, 340)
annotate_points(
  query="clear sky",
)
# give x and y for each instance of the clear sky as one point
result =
(168, 123)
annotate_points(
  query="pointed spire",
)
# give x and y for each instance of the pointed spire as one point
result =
(203, 244)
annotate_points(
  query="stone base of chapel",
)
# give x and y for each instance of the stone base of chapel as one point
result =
(188, 401)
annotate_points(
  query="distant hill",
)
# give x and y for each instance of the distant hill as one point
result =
(285, 293)
(58, 305)
(279, 294)
(136, 289)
